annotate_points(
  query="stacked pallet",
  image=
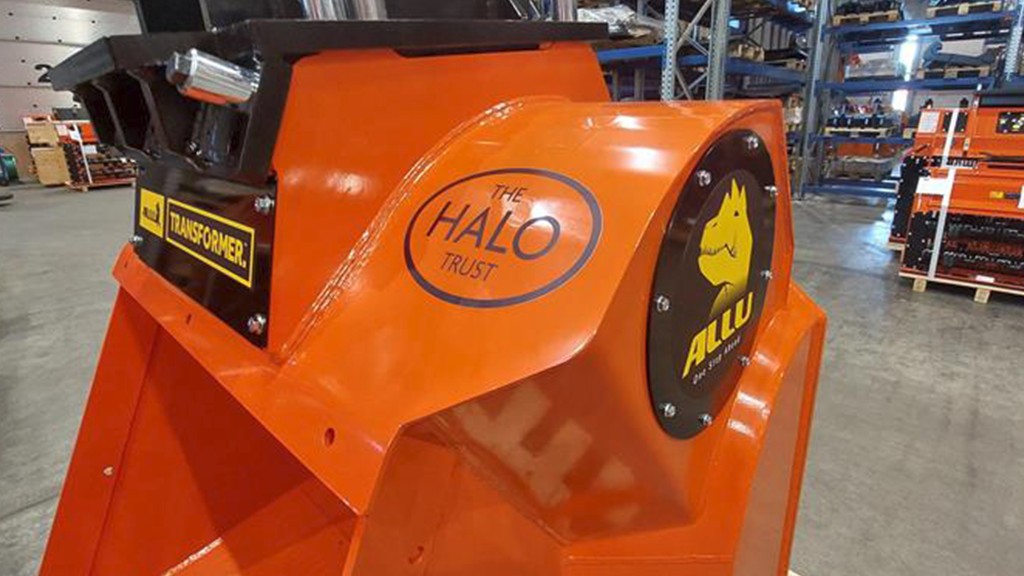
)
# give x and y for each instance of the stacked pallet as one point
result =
(98, 165)
(48, 160)
(69, 153)
(963, 8)
(954, 72)
(866, 17)
(746, 51)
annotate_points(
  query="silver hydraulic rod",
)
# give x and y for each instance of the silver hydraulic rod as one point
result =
(207, 78)
(344, 9)
(564, 10)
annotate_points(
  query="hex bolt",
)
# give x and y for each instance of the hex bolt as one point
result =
(256, 324)
(753, 142)
(766, 274)
(744, 361)
(662, 303)
(703, 178)
(135, 240)
(263, 204)
(773, 191)
(108, 471)
(705, 420)
(668, 409)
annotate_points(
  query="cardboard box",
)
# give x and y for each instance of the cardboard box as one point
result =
(42, 133)
(51, 166)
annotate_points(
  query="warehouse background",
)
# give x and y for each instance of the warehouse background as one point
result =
(37, 35)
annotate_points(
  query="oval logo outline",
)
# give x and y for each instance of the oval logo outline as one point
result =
(597, 228)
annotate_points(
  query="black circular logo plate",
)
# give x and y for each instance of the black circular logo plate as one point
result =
(709, 287)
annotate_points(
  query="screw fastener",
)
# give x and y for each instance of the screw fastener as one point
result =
(744, 361)
(135, 240)
(766, 274)
(662, 303)
(108, 471)
(705, 420)
(256, 324)
(773, 191)
(668, 410)
(703, 178)
(753, 142)
(263, 204)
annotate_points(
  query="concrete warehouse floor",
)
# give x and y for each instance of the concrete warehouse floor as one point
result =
(917, 458)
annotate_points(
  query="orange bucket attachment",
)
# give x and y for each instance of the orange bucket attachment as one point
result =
(480, 320)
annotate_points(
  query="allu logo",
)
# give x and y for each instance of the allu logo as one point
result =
(726, 247)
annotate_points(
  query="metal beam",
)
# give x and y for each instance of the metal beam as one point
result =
(1013, 46)
(718, 51)
(668, 62)
(811, 113)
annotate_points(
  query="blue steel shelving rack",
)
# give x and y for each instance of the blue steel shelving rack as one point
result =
(835, 40)
(771, 80)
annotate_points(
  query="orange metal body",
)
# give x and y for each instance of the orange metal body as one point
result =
(984, 186)
(981, 184)
(383, 432)
(979, 139)
(932, 143)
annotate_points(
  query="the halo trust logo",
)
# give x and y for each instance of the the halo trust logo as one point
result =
(502, 237)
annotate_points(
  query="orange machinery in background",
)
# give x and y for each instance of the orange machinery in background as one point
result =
(960, 206)
(930, 139)
(414, 298)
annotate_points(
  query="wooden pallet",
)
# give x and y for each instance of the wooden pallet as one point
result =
(955, 72)
(981, 291)
(758, 8)
(790, 64)
(858, 132)
(965, 8)
(83, 187)
(746, 52)
(866, 18)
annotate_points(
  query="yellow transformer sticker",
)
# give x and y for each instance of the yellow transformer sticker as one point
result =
(222, 244)
(152, 212)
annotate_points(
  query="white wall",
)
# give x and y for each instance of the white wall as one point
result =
(43, 33)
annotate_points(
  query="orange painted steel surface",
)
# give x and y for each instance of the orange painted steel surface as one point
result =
(984, 185)
(933, 142)
(408, 419)
(342, 152)
(983, 169)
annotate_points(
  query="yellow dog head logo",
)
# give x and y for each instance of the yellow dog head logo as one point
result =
(726, 247)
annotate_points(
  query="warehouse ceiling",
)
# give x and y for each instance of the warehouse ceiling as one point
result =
(38, 34)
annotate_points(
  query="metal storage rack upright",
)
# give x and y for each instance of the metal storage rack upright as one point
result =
(835, 41)
(705, 71)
